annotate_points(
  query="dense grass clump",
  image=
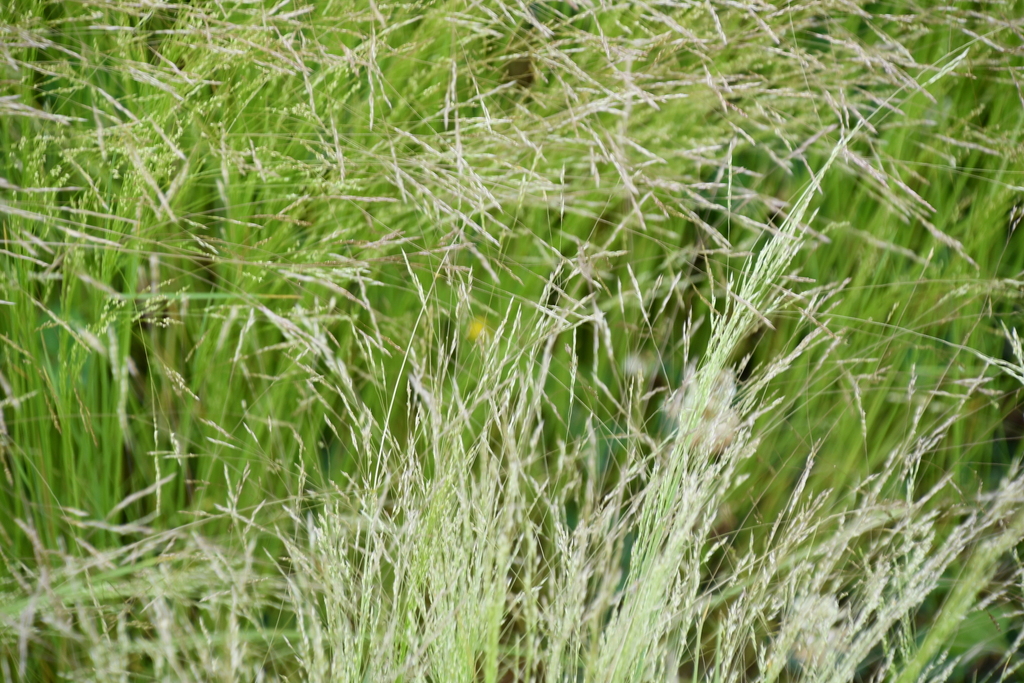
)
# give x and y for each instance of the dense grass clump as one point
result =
(552, 341)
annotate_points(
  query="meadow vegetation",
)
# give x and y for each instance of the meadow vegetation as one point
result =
(511, 341)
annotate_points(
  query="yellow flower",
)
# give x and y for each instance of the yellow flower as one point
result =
(477, 328)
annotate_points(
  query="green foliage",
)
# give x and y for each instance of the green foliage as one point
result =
(449, 341)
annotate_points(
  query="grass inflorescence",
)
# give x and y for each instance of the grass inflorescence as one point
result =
(551, 341)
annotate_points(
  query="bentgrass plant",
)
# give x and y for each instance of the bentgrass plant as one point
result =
(554, 341)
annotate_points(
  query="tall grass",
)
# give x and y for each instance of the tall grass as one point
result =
(560, 341)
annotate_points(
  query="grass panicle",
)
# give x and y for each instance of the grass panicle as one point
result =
(550, 341)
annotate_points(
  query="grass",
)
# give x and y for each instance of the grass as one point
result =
(561, 341)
